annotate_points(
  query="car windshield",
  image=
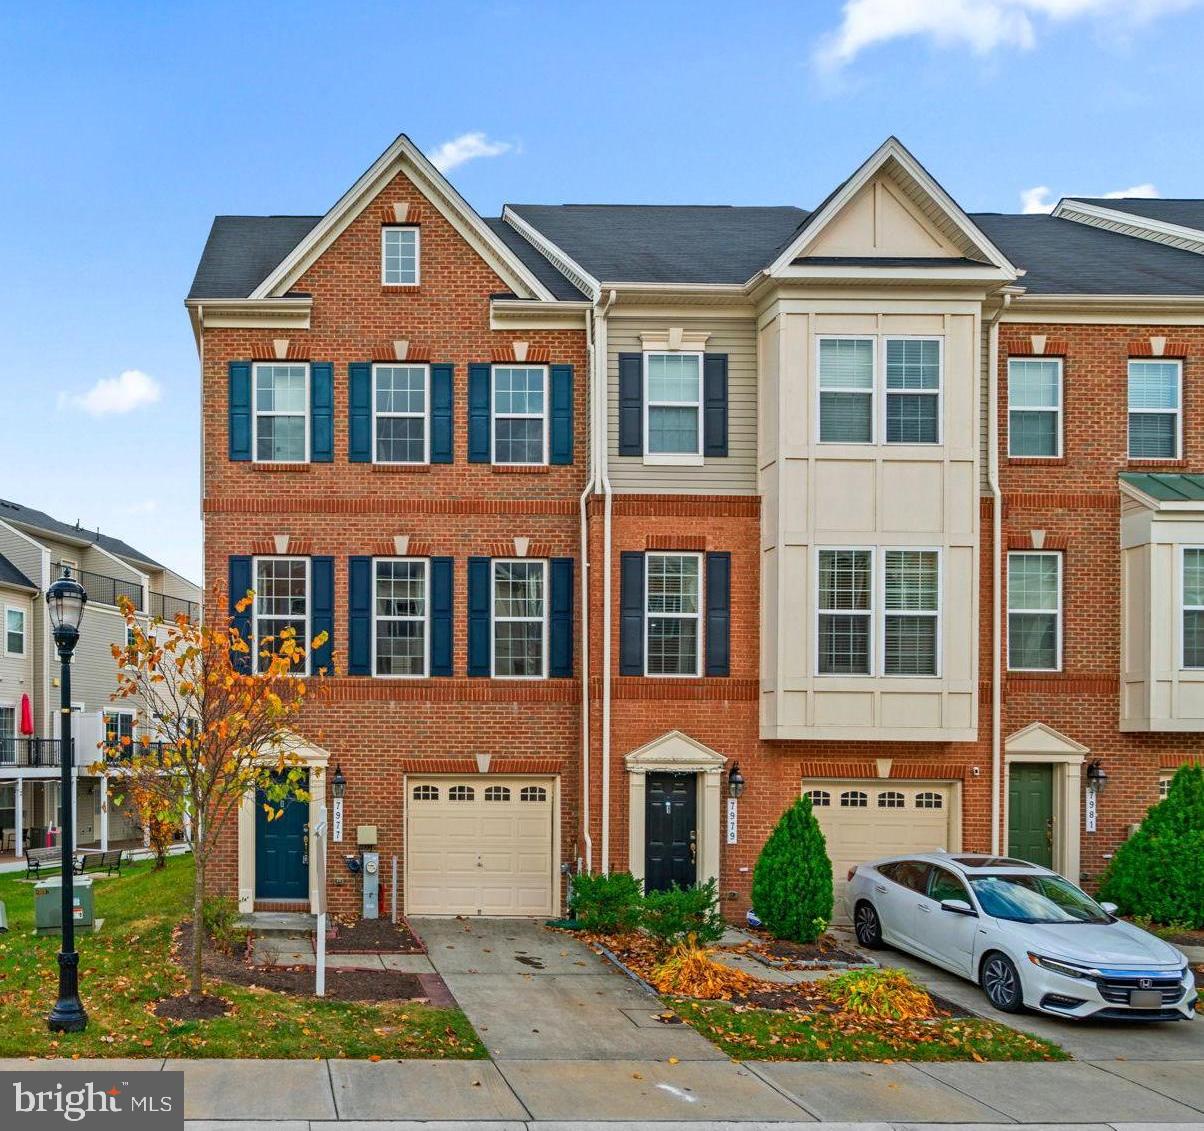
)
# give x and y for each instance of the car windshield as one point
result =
(1036, 899)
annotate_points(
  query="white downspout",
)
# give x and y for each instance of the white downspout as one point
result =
(996, 575)
(600, 358)
(585, 567)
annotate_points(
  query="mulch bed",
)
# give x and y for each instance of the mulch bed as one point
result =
(1186, 938)
(181, 1009)
(793, 955)
(341, 984)
(374, 936)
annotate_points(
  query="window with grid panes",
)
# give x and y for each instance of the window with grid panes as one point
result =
(1034, 407)
(846, 390)
(281, 602)
(674, 402)
(281, 413)
(519, 414)
(519, 618)
(674, 613)
(399, 256)
(913, 390)
(401, 616)
(1034, 611)
(912, 579)
(399, 407)
(1154, 406)
(845, 611)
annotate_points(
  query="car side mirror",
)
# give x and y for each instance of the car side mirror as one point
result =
(1109, 908)
(958, 907)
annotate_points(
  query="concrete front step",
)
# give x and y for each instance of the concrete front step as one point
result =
(277, 922)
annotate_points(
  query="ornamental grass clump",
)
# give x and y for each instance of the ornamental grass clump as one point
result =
(690, 971)
(888, 995)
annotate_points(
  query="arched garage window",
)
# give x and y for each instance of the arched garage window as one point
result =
(854, 799)
(929, 800)
(426, 793)
(461, 793)
(818, 798)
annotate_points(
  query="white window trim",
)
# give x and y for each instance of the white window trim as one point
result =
(124, 712)
(871, 392)
(255, 413)
(309, 610)
(425, 415)
(1058, 612)
(1027, 408)
(696, 616)
(417, 253)
(881, 611)
(1165, 777)
(495, 416)
(493, 617)
(1178, 410)
(24, 631)
(1184, 607)
(426, 618)
(673, 459)
(938, 393)
(869, 613)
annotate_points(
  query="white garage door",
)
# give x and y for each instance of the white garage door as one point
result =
(863, 820)
(480, 845)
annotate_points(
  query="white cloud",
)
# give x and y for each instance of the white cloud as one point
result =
(130, 390)
(466, 147)
(1040, 199)
(981, 25)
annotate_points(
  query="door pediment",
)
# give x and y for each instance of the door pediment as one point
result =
(1038, 739)
(675, 752)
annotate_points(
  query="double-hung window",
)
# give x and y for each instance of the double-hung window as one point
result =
(520, 414)
(520, 618)
(673, 405)
(119, 732)
(400, 617)
(1155, 401)
(400, 396)
(911, 612)
(281, 603)
(845, 611)
(399, 256)
(1034, 407)
(281, 416)
(913, 390)
(1193, 607)
(1034, 611)
(673, 620)
(846, 390)
(14, 631)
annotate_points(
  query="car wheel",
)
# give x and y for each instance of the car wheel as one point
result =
(1001, 983)
(867, 926)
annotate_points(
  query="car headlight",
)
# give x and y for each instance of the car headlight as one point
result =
(1068, 969)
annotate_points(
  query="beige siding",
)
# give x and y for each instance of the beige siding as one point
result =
(16, 672)
(735, 474)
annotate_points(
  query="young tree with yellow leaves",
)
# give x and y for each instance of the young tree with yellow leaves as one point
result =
(223, 729)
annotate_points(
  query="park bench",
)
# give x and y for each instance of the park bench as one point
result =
(38, 858)
(94, 861)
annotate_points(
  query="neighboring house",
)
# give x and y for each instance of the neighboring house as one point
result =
(34, 549)
(598, 501)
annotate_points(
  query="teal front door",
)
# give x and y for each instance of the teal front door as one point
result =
(1030, 813)
(281, 859)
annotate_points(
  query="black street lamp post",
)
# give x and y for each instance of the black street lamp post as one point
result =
(65, 601)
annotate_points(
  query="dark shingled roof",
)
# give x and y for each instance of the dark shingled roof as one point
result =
(40, 520)
(1185, 213)
(10, 575)
(534, 261)
(242, 251)
(654, 243)
(1065, 257)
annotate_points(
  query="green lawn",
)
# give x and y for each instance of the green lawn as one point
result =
(759, 1034)
(127, 967)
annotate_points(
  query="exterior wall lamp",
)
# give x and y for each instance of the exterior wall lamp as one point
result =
(735, 781)
(338, 783)
(1097, 776)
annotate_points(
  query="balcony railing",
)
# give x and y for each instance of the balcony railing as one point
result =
(168, 607)
(33, 752)
(105, 589)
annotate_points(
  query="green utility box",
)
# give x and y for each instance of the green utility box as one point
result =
(48, 905)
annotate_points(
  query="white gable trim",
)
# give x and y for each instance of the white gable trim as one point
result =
(1130, 224)
(891, 150)
(675, 751)
(1040, 739)
(403, 153)
(557, 256)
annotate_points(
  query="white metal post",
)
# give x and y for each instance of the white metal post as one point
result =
(393, 893)
(319, 849)
(19, 818)
(104, 812)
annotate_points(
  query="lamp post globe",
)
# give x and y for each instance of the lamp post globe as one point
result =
(65, 601)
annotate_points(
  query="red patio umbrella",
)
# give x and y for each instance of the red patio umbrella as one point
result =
(26, 716)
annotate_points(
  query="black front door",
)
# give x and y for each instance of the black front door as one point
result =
(670, 831)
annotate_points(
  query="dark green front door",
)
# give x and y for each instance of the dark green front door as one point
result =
(1030, 813)
(281, 859)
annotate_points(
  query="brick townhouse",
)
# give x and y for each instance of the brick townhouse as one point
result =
(607, 507)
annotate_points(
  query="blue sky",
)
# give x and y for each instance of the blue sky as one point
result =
(125, 127)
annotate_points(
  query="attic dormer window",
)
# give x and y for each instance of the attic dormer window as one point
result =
(399, 256)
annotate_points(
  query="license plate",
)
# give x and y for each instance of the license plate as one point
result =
(1145, 999)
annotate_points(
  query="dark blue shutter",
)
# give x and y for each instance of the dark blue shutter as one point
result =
(714, 404)
(442, 589)
(442, 431)
(560, 622)
(719, 614)
(479, 600)
(631, 404)
(239, 410)
(321, 575)
(562, 414)
(478, 413)
(240, 582)
(631, 613)
(359, 616)
(321, 412)
(359, 406)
